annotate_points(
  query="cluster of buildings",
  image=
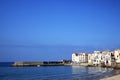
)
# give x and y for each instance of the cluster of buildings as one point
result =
(102, 58)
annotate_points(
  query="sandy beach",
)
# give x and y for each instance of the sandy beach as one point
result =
(116, 77)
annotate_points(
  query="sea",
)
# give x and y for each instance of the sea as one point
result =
(7, 72)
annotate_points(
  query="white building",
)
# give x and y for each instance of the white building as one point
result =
(106, 58)
(79, 57)
(117, 55)
(75, 58)
(96, 57)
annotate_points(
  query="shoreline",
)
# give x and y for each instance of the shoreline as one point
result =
(115, 77)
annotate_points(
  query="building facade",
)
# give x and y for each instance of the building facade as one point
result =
(79, 58)
(90, 59)
(96, 57)
(117, 55)
(104, 58)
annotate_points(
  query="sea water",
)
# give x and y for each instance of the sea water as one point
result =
(54, 73)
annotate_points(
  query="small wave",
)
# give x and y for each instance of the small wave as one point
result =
(104, 71)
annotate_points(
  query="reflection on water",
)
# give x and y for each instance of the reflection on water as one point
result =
(92, 73)
(87, 70)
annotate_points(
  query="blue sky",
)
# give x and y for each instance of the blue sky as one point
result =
(32, 30)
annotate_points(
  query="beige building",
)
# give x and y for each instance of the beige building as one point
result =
(90, 59)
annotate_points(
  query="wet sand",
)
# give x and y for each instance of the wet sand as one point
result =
(116, 77)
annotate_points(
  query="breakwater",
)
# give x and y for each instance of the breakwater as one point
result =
(48, 63)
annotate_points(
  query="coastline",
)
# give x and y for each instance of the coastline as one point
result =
(115, 77)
